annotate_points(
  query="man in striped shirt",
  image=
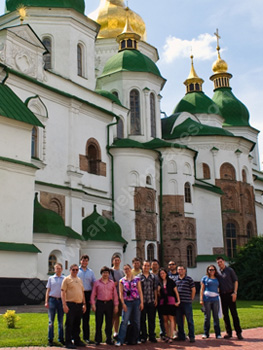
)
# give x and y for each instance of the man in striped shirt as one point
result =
(186, 290)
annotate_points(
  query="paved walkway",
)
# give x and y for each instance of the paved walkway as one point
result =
(253, 340)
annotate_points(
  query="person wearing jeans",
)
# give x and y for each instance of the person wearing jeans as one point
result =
(209, 298)
(186, 290)
(54, 304)
(132, 302)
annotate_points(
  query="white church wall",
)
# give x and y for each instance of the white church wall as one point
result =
(18, 264)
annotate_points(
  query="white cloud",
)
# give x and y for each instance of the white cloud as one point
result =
(203, 48)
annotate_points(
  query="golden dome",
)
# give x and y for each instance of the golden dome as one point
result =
(111, 15)
(219, 66)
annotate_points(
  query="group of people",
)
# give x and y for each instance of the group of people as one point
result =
(137, 294)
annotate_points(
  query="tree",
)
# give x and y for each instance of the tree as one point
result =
(248, 265)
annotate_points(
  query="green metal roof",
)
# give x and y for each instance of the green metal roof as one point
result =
(96, 227)
(19, 247)
(197, 103)
(130, 61)
(151, 145)
(208, 187)
(110, 96)
(208, 258)
(12, 107)
(47, 221)
(78, 5)
(192, 128)
(234, 111)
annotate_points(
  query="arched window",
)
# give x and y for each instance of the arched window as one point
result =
(249, 230)
(115, 93)
(244, 175)
(190, 256)
(56, 206)
(135, 112)
(48, 56)
(120, 129)
(80, 60)
(34, 142)
(227, 172)
(150, 252)
(52, 260)
(92, 159)
(153, 115)
(148, 180)
(187, 193)
(206, 171)
(231, 240)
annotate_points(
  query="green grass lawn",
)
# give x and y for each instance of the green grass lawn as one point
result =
(32, 328)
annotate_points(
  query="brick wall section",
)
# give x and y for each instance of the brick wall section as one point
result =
(84, 165)
(178, 231)
(238, 206)
(53, 201)
(145, 218)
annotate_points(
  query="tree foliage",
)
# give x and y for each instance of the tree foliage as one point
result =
(248, 265)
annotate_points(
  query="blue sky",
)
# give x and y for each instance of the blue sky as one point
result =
(176, 27)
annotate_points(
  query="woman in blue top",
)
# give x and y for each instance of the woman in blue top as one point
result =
(209, 298)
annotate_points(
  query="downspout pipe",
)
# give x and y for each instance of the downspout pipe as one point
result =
(161, 206)
(112, 166)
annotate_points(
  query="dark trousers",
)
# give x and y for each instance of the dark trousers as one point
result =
(187, 310)
(228, 304)
(104, 308)
(85, 317)
(161, 323)
(148, 310)
(73, 319)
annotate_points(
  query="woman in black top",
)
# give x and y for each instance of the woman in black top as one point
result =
(169, 299)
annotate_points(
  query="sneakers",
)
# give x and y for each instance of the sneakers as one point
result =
(115, 336)
(218, 337)
(204, 336)
(118, 343)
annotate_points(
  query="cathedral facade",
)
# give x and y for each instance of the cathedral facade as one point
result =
(87, 164)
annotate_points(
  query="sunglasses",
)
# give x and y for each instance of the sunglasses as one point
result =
(74, 270)
(211, 269)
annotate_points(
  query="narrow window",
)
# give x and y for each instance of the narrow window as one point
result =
(153, 115)
(187, 193)
(135, 112)
(120, 133)
(93, 159)
(48, 55)
(190, 256)
(150, 252)
(80, 60)
(231, 241)
(52, 260)
(206, 171)
(34, 143)
(244, 175)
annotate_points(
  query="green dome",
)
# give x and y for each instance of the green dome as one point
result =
(47, 221)
(234, 111)
(130, 61)
(109, 95)
(197, 103)
(96, 227)
(78, 5)
(190, 128)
